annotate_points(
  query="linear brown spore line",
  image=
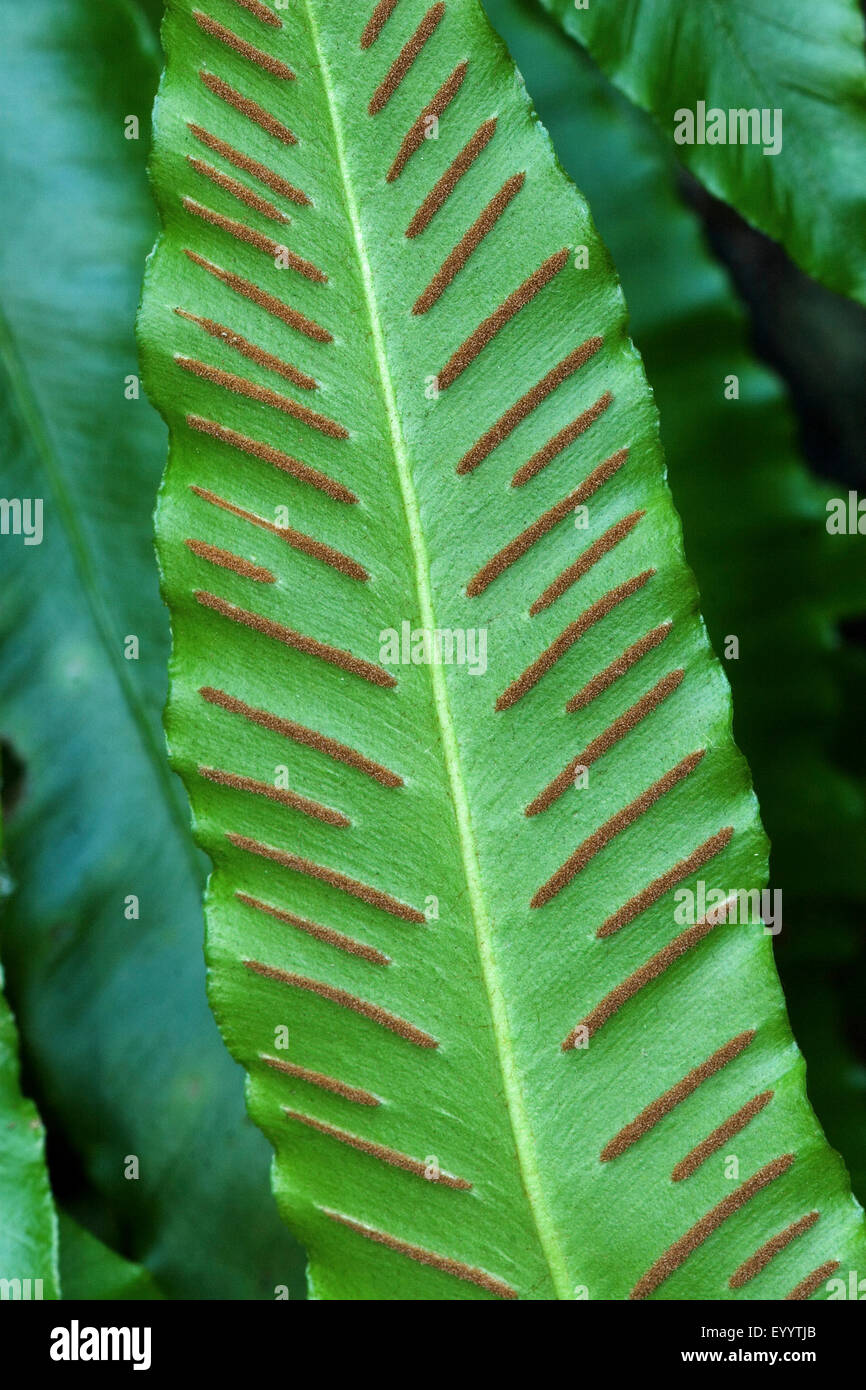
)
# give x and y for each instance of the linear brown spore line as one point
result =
(383, 1017)
(262, 395)
(567, 638)
(258, 449)
(248, 108)
(618, 668)
(770, 1248)
(299, 733)
(239, 230)
(298, 641)
(444, 186)
(666, 881)
(417, 132)
(270, 248)
(263, 359)
(490, 327)
(601, 838)
(227, 560)
(393, 1157)
(357, 1094)
(605, 741)
(560, 441)
(630, 719)
(218, 31)
(676, 1255)
(517, 548)
(664, 1104)
(612, 537)
(408, 54)
(468, 243)
(377, 21)
(262, 299)
(296, 539)
(528, 402)
(812, 1283)
(327, 935)
(261, 11)
(238, 190)
(254, 167)
(373, 897)
(734, 1124)
(283, 796)
(638, 980)
(443, 1263)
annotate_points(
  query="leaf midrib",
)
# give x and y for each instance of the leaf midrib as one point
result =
(524, 1138)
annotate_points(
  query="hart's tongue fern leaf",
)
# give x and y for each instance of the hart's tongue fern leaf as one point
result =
(392, 353)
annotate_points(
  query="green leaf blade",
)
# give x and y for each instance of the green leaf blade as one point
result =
(459, 1034)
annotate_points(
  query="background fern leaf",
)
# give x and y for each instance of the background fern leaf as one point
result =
(28, 1234)
(803, 61)
(390, 384)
